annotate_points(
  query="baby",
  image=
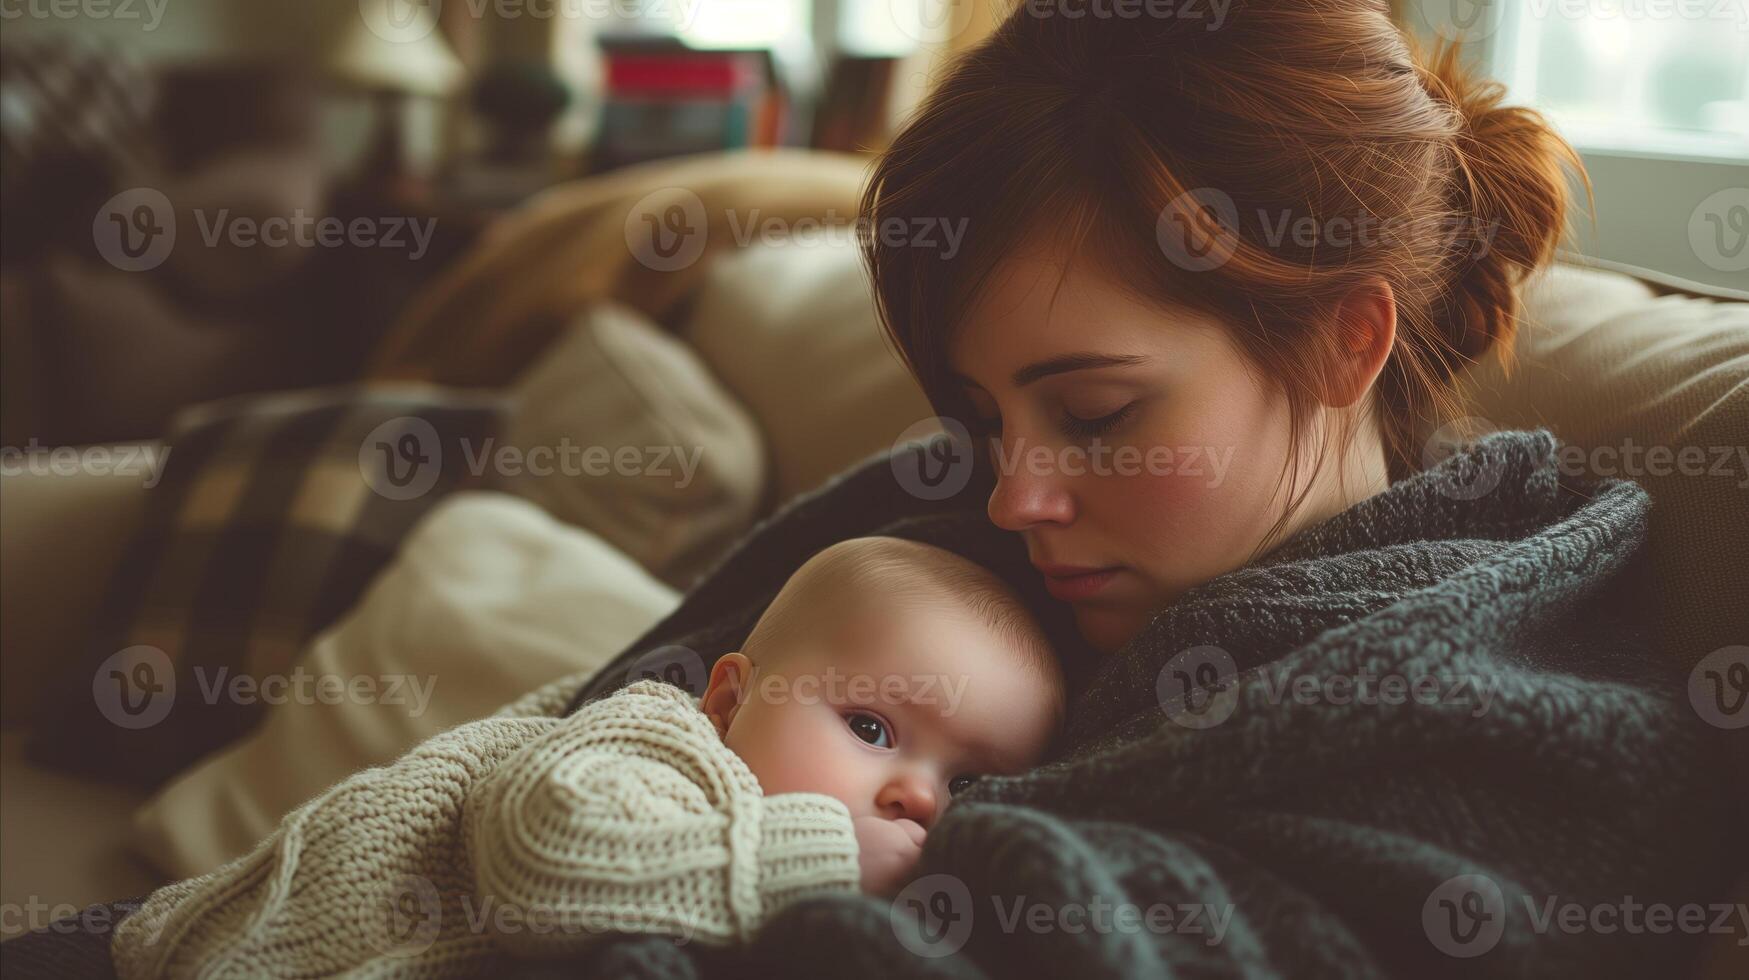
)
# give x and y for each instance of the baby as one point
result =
(885, 677)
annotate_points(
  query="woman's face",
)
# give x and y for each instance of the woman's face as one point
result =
(1130, 442)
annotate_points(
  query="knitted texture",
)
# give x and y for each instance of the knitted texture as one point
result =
(642, 817)
(520, 834)
(1557, 759)
(1317, 834)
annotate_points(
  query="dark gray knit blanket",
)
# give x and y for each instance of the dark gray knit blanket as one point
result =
(1402, 744)
(1422, 738)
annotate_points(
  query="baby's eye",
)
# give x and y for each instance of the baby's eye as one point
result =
(959, 784)
(870, 729)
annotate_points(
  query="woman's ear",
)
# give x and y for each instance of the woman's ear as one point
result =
(1365, 331)
(731, 679)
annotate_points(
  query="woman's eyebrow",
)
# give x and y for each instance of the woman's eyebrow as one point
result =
(1063, 364)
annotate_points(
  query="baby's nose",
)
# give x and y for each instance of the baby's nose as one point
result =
(908, 796)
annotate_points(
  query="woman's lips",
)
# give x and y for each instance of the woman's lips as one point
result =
(1069, 583)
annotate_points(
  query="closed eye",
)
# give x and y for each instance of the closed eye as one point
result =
(1079, 428)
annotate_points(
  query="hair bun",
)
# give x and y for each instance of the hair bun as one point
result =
(1508, 197)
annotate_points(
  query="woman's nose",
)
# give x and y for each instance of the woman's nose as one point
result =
(1029, 492)
(907, 796)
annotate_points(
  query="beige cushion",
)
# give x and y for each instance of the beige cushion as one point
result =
(64, 845)
(790, 328)
(65, 527)
(489, 599)
(1616, 372)
(625, 432)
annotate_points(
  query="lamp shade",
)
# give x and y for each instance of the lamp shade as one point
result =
(394, 44)
(381, 44)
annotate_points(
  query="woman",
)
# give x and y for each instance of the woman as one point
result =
(1339, 712)
(1342, 713)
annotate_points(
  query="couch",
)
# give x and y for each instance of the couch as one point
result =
(786, 332)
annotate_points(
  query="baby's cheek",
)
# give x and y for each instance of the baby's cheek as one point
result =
(835, 775)
(799, 751)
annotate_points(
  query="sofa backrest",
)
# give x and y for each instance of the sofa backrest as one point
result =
(1655, 388)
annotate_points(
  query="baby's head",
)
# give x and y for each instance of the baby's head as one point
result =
(886, 673)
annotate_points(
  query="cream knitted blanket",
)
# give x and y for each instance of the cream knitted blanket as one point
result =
(521, 834)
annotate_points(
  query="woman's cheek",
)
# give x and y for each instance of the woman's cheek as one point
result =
(1187, 525)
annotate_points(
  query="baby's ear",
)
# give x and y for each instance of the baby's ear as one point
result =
(729, 683)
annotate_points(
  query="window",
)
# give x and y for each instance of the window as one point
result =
(743, 23)
(1639, 76)
(1654, 94)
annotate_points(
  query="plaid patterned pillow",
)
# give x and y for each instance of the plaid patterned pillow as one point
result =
(272, 516)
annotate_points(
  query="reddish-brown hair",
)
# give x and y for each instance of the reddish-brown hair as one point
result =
(1095, 131)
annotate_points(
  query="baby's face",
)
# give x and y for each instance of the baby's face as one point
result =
(891, 710)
